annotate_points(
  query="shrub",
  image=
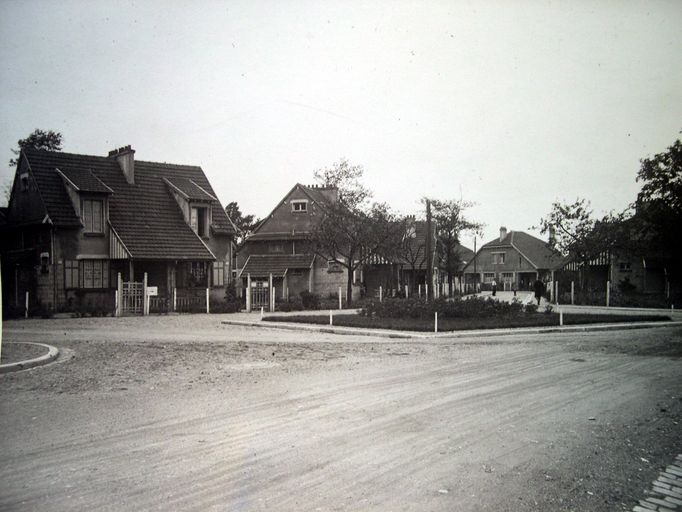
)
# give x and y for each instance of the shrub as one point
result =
(530, 308)
(548, 309)
(474, 307)
(310, 300)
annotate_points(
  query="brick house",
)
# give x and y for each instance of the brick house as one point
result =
(515, 260)
(74, 222)
(279, 247)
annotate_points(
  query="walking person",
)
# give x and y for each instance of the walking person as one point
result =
(494, 287)
(539, 288)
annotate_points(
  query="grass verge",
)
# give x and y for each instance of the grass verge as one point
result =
(463, 324)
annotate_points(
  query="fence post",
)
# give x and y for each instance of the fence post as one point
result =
(145, 297)
(119, 294)
(270, 283)
(380, 293)
(331, 322)
(248, 293)
(274, 298)
(175, 299)
(207, 302)
(608, 293)
(572, 292)
(26, 306)
(435, 325)
(420, 291)
(556, 295)
(427, 292)
(340, 299)
(407, 291)
(561, 317)
(261, 312)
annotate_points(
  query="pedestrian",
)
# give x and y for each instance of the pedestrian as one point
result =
(494, 287)
(539, 288)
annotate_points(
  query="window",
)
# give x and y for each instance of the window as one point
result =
(625, 266)
(218, 273)
(70, 274)
(198, 220)
(300, 206)
(498, 258)
(23, 180)
(488, 277)
(93, 273)
(92, 215)
(334, 266)
(197, 273)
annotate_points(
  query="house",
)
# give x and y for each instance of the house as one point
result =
(277, 254)
(75, 222)
(515, 260)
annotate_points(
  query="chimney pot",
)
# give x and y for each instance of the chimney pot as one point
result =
(503, 233)
(125, 156)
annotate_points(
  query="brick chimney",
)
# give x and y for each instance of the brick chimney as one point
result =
(503, 233)
(125, 157)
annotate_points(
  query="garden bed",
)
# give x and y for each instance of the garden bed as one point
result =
(463, 324)
(16, 352)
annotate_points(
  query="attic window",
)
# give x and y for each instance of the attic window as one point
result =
(92, 213)
(23, 180)
(300, 206)
(498, 258)
(199, 220)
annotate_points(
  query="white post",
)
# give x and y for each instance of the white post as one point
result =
(407, 292)
(427, 292)
(572, 292)
(26, 306)
(145, 296)
(556, 295)
(271, 296)
(208, 310)
(420, 291)
(175, 299)
(119, 294)
(261, 312)
(380, 294)
(608, 293)
(435, 325)
(248, 293)
(331, 322)
(340, 299)
(274, 299)
(561, 317)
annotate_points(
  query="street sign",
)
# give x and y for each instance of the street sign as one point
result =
(152, 291)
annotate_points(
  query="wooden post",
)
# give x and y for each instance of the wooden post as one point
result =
(208, 310)
(270, 283)
(561, 317)
(427, 293)
(26, 305)
(261, 312)
(435, 325)
(145, 297)
(380, 294)
(248, 293)
(340, 299)
(420, 291)
(556, 295)
(175, 299)
(331, 321)
(119, 293)
(274, 299)
(407, 291)
(608, 293)
(572, 292)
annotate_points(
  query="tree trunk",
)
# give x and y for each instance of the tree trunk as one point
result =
(349, 287)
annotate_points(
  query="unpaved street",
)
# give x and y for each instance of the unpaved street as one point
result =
(183, 413)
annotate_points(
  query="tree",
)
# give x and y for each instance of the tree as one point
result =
(575, 233)
(244, 223)
(450, 224)
(39, 139)
(352, 231)
(412, 248)
(659, 204)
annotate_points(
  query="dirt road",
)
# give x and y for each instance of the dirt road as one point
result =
(181, 413)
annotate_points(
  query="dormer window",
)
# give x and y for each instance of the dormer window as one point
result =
(92, 215)
(23, 180)
(300, 206)
(198, 220)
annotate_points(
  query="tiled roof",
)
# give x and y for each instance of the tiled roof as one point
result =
(534, 249)
(145, 215)
(84, 180)
(259, 265)
(190, 189)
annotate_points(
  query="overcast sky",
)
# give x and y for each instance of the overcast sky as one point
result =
(510, 104)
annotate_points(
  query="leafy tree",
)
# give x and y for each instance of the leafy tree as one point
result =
(658, 206)
(412, 248)
(575, 233)
(451, 222)
(244, 223)
(352, 231)
(39, 139)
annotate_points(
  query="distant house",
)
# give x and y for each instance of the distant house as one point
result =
(279, 247)
(74, 222)
(514, 260)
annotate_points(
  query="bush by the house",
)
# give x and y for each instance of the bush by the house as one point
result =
(446, 308)
(310, 300)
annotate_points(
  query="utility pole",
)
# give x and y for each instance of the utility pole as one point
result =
(429, 250)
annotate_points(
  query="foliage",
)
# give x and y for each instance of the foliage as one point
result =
(472, 307)
(39, 139)
(310, 300)
(347, 179)
(450, 223)
(245, 224)
(530, 308)
(548, 309)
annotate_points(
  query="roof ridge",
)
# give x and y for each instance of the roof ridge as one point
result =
(105, 158)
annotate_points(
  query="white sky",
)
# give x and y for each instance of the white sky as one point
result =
(511, 104)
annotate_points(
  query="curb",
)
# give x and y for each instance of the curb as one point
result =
(52, 353)
(452, 334)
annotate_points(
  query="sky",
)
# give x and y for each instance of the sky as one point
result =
(509, 104)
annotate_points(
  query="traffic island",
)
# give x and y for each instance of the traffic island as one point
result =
(18, 356)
